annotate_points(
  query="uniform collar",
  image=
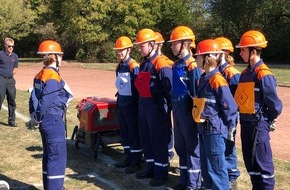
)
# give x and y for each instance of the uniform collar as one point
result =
(183, 60)
(50, 67)
(210, 74)
(223, 66)
(260, 62)
(154, 56)
(126, 62)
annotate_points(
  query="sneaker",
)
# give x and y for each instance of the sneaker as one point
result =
(132, 169)
(4, 185)
(123, 164)
(144, 174)
(233, 185)
(157, 182)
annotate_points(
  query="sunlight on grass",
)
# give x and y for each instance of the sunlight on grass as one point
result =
(21, 154)
(282, 73)
(100, 66)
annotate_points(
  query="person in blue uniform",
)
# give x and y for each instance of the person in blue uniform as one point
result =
(232, 76)
(154, 87)
(185, 78)
(47, 103)
(8, 68)
(215, 112)
(158, 48)
(127, 101)
(259, 106)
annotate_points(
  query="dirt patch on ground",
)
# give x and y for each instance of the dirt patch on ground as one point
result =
(91, 82)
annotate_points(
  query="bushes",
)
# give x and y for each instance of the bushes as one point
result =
(94, 53)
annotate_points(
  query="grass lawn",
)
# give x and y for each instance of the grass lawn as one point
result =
(21, 154)
(281, 72)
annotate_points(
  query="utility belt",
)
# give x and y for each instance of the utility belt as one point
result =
(4, 77)
(252, 117)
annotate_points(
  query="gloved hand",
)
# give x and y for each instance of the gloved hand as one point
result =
(273, 125)
(231, 134)
(31, 126)
(33, 119)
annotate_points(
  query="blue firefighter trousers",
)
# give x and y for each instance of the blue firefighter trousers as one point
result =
(186, 144)
(128, 118)
(52, 131)
(170, 136)
(213, 163)
(232, 159)
(257, 154)
(153, 135)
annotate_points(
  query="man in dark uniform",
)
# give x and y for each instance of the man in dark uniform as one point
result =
(8, 67)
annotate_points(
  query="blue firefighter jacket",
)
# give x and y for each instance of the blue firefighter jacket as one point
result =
(185, 76)
(267, 103)
(48, 96)
(160, 82)
(131, 68)
(220, 110)
(231, 74)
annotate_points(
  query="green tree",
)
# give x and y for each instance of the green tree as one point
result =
(90, 27)
(233, 18)
(16, 19)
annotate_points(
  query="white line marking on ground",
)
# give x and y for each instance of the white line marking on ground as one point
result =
(101, 156)
(19, 115)
(102, 180)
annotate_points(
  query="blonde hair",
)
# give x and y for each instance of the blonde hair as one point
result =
(230, 60)
(48, 59)
(8, 40)
(210, 61)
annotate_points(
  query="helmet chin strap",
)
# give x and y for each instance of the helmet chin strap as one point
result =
(126, 54)
(57, 62)
(152, 48)
(250, 52)
(180, 49)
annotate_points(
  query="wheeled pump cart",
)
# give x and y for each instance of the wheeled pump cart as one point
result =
(98, 119)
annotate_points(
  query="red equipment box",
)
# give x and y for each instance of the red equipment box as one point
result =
(98, 114)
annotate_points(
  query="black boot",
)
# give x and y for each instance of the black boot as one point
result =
(123, 164)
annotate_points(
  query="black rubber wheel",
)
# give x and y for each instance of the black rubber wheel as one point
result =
(97, 145)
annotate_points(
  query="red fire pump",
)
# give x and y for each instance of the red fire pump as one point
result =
(98, 119)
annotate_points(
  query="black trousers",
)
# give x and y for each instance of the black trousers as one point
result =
(8, 89)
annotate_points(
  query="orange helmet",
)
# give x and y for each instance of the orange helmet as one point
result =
(225, 44)
(145, 35)
(159, 38)
(252, 38)
(123, 42)
(49, 47)
(181, 33)
(208, 46)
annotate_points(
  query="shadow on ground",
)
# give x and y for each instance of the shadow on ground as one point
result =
(17, 185)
